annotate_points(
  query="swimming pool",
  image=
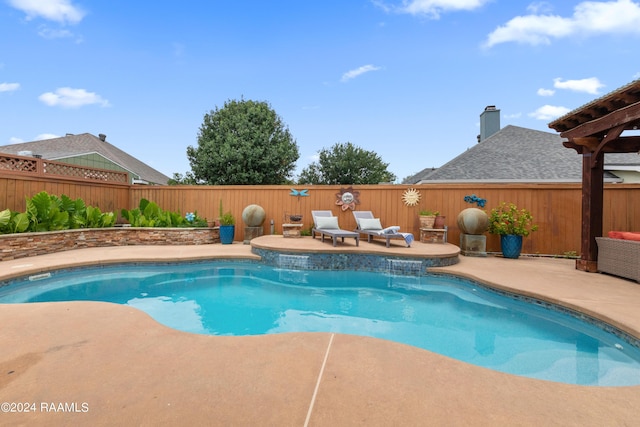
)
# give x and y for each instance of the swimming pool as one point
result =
(450, 316)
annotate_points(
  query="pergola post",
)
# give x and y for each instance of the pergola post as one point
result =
(592, 208)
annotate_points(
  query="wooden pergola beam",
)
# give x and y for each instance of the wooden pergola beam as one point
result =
(624, 144)
(626, 116)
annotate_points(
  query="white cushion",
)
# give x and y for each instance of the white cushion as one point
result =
(327, 222)
(370, 224)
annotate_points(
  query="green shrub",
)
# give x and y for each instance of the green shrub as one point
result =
(149, 214)
(49, 213)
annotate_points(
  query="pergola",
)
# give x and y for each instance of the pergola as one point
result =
(593, 130)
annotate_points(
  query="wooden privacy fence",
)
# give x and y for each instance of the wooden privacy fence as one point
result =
(556, 208)
(108, 197)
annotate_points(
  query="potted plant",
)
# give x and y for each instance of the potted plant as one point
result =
(227, 226)
(512, 224)
(428, 218)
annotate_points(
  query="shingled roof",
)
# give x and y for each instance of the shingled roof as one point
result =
(86, 143)
(515, 154)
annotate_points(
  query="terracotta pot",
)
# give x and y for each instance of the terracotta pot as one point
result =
(427, 221)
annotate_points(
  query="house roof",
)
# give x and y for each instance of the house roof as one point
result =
(515, 154)
(86, 143)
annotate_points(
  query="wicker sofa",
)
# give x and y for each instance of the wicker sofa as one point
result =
(619, 256)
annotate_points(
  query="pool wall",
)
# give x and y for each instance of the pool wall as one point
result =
(354, 261)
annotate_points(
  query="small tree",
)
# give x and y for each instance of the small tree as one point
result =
(346, 164)
(179, 179)
(245, 142)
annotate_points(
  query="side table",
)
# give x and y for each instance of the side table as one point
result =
(433, 235)
(291, 230)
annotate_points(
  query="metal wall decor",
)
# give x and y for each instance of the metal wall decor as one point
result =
(411, 197)
(299, 193)
(347, 198)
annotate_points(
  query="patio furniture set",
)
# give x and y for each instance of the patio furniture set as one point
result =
(325, 224)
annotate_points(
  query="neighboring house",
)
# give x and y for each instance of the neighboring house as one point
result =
(516, 154)
(91, 151)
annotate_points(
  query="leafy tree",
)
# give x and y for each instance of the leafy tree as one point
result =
(346, 164)
(179, 179)
(245, 142)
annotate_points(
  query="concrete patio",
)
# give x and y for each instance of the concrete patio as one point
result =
(114, 365)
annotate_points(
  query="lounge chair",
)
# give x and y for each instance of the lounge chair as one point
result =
(325, 224)
(371, 226)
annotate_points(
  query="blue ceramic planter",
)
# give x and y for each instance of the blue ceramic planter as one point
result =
(511, 245)
(226, 234)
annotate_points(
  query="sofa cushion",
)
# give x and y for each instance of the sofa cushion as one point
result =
(625, 235)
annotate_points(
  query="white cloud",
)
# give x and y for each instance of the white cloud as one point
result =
(62, 11)
(549, 112)
(14, 140)
(433, 8)
(589, 18)
(49, 33)
(590, 85)
(357, 72)
(46, 136)
(72, 98)
(546, 92)
(540, 7)
(9, 87)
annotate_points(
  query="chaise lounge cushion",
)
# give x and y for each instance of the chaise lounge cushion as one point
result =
(370, 224)
(327, 223)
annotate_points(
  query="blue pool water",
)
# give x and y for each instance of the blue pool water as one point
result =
(450, 316)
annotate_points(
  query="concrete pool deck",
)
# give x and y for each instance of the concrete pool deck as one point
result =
(90, 363)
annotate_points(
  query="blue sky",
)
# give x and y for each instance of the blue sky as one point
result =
(407, 79)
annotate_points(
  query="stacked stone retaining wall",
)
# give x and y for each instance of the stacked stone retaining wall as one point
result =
(21, 245)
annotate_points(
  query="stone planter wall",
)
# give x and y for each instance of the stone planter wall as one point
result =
(14, 246)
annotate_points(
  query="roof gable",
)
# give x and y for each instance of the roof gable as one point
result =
(80, 144)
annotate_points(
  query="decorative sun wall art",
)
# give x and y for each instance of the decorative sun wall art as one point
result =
(411, 197)
(348, 198)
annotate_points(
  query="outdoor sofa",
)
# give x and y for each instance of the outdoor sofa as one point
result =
(619, 254)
